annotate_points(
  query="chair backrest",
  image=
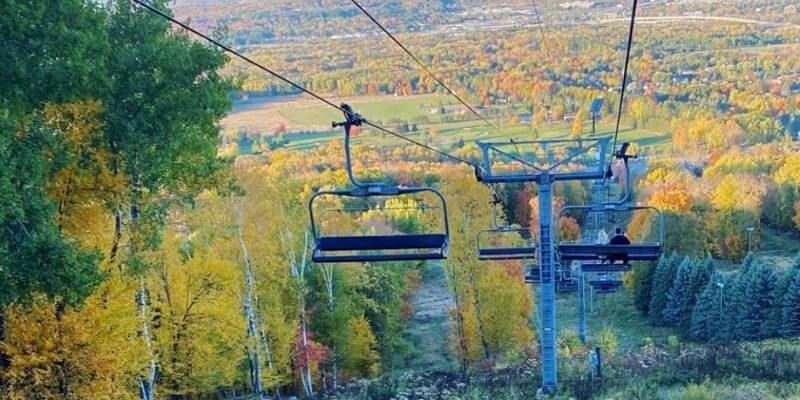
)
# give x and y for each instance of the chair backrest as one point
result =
(384, 247)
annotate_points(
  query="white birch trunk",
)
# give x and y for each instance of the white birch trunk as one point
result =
(298, 272)
(328, 274)
(146, 383)
(249, 310)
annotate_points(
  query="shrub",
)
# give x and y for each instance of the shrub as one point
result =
(607, 341)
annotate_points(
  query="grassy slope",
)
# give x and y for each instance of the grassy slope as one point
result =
(429, 328)
(614, 311)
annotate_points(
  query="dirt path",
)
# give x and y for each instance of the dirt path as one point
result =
(429, 328)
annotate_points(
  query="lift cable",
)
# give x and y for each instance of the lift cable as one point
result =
(625, 73)
(541, 30)
(297, 86)
(440, 82)
(427, 70)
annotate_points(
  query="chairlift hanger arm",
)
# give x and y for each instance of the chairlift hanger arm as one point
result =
(584, 150)
(622, 154)
(515, 158)
(486, 175)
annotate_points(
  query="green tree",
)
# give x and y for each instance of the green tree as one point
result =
(34, 257)
(163, 102)
(641, 281)
(755, 297)
(790, 325)
(689, 281)
(708, 320)
(663, 278)
(51, 52)
(384, 293)
(675, 308)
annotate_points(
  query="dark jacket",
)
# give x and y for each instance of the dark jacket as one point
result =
(620, 240)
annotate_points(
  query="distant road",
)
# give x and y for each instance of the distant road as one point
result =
(683, 18)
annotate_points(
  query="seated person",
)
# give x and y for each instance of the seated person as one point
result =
(619, 239)
(602, 237)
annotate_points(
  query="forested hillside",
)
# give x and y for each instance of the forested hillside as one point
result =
(156, 243)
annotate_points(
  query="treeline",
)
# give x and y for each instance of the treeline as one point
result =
(723, 207)
(755, 302)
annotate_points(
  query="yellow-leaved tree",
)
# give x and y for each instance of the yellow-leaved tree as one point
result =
(493, 304)
(59, 350)
(84, 188)
(198, 328)
(359, 349)
(257, 232)
(56, 351)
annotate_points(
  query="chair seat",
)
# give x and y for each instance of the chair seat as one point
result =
(532, 279)
(506, 253)
(605, 285)
(324, 258)
(604, 267)
(379, 248)
(380, 242)
(634, 252)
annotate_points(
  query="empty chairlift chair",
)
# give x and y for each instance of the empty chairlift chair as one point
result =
(605, 283)
(391, 246)
(565, 281)
(534, 274)
(604, 266)
(505, 242)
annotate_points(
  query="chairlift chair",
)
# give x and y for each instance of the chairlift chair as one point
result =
(566, 286)
(333, 248)
(615, 256)
(504, 252)
(605, 285)
(565, 281)
(534, 274)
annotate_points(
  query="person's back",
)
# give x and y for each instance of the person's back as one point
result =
(619, 239)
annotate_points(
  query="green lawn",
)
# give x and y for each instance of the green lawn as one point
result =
(404, 108)
(471, 131)
(415, 108)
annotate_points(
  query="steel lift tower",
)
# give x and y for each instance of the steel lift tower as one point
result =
(581, 159)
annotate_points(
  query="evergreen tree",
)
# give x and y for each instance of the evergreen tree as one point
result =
(707, 320)
(774, 324)
(641, 278)
(790, 324)
(663, 277)
(796, 262)
(755, 297)
(676, 306)
(748, 262)
(690, 281)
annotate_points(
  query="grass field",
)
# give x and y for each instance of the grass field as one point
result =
(314, 121)
(614, 311)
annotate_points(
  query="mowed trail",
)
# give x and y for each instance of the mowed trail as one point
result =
(429, 328)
